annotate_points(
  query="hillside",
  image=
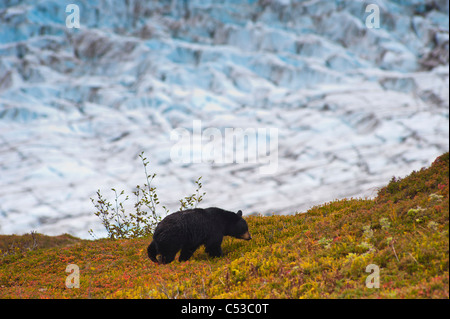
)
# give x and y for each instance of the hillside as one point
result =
(322, 253)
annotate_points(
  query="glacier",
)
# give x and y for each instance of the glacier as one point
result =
(352, 105)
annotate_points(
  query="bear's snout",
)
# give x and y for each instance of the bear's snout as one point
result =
(246, 236)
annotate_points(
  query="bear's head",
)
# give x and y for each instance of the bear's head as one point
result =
(239, 227)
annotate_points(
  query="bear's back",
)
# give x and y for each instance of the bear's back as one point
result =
(196, 222)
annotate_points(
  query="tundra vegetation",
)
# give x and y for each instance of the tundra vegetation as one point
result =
(321, 253)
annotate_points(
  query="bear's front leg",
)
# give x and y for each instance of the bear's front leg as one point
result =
(187, 252)
(214, 249)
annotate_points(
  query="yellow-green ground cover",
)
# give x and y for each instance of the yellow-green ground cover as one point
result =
(322, 253)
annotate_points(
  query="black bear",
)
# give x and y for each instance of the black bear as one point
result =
(188, 229)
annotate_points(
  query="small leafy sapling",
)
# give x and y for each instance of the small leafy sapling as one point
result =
(142, 222)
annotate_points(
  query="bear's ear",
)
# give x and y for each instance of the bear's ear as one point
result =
(239, 213)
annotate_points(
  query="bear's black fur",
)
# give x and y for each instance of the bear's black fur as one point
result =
(189, 229)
